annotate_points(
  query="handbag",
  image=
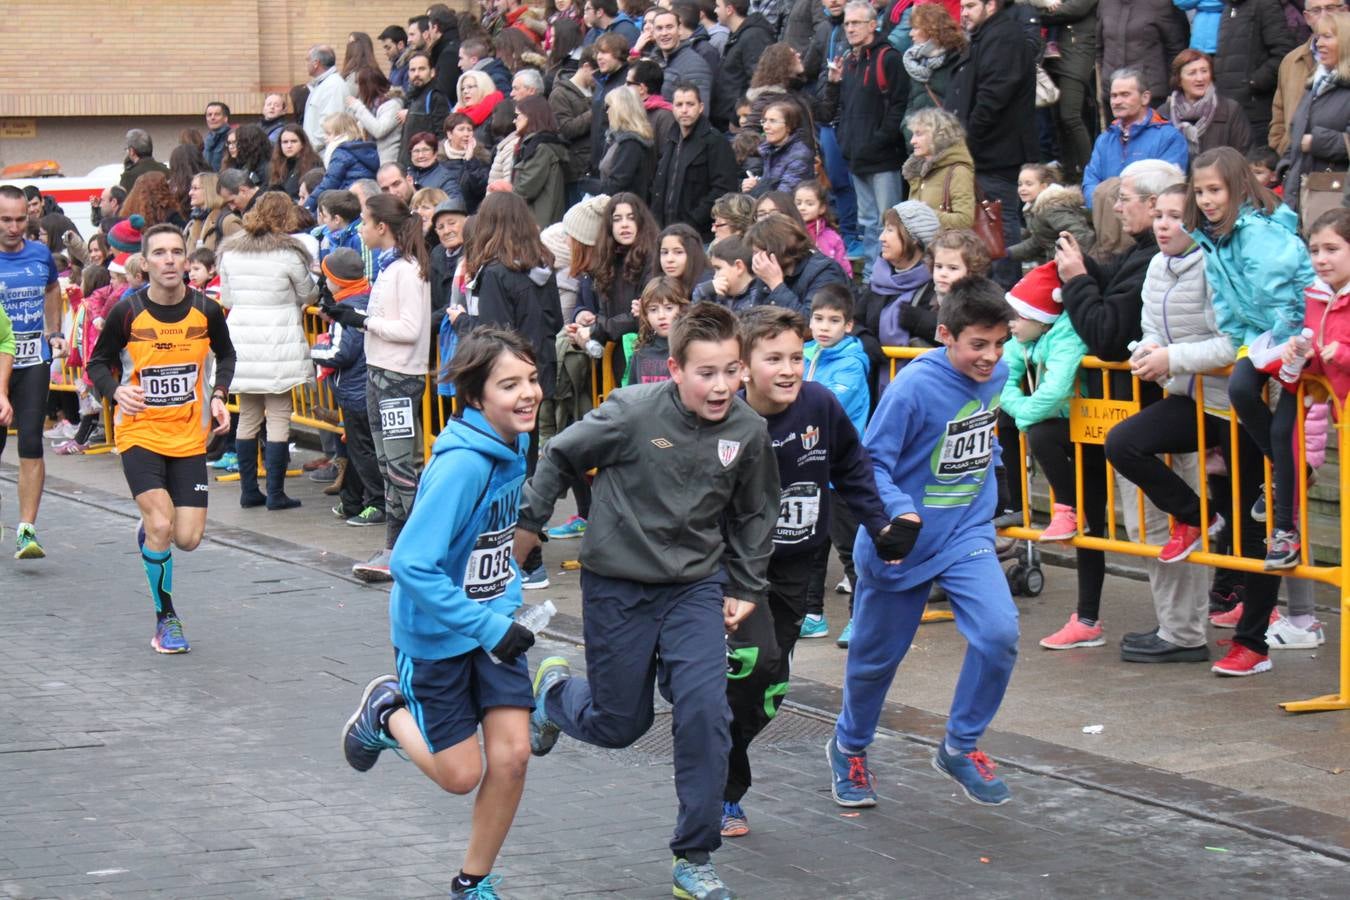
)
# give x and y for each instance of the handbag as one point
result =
(1319, 192)
(1047, 92)
(988, 224)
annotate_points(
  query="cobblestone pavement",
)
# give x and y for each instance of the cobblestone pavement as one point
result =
(124, 773)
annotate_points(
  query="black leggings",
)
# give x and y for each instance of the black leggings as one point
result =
(1054, 452)
(1273, 433)
(1167, 426)
(28, 396)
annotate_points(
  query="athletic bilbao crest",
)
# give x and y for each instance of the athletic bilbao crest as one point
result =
(810, 437)
(726, 452)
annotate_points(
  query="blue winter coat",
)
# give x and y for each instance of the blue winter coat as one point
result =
(843, 369)
(351, 161)
(346, 352)
(1258, 274)
(1155, 138)
(1205, 25)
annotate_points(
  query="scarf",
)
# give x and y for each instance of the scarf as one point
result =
(479, 112)
(922, 60)
(451, 153)
(901, 285)
(1322, 79)
(1193, 119)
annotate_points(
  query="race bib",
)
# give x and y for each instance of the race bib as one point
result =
(489, 568)
(169, 385)
(798, 511)
(969, 445)
(396, 418)
(27, 349)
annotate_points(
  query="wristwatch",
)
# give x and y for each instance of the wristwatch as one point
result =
(55, 334)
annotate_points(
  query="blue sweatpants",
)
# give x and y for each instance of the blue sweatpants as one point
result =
(627, 626)
(884, 623)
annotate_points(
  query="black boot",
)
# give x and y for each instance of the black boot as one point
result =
(249, 495)
(276, 455)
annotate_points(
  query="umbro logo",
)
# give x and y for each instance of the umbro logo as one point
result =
(661, 443)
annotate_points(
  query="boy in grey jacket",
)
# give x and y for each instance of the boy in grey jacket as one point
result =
(676, 554)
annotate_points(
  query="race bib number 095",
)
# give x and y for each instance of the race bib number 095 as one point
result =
(489, 568)
(798, 512)
(396, 418)
(169, 385)
(968, 445)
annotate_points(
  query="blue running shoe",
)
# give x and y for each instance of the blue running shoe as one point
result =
(543, 733)
(845, 636)
(574, 527)
(362, 737)
(26, 544)
(734, 822)
(228, 461)
(852, 785)
(169, 636)
(699, 881)
(483, 890)
(975, 773)
(814, 626)
(535, 580)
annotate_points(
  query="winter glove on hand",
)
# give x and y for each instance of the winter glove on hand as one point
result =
(347, 316)
(1004, 493)
(516, 641)
(898, 540)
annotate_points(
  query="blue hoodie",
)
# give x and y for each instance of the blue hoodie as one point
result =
(933, 441)
(843, 369)
(456, 585)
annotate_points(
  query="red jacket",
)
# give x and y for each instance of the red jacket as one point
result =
(1328, 315)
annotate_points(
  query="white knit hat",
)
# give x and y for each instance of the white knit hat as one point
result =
(584, 221)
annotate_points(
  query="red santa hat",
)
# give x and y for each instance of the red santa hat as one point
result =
(1037, 295)
(118, 266)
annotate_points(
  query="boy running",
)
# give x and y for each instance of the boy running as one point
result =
(674, 556)
(933, 447)
(158, 339)
(815, 444)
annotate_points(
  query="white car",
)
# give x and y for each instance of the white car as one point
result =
(73, 193)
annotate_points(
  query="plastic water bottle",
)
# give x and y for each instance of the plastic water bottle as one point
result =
(534, 616)
(1290, 372)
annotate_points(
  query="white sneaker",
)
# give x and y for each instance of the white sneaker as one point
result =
(844, 586)
(61, 431)
(1285, 635)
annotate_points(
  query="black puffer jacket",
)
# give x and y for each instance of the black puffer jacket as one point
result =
(867, 107)
(797, 289)
(525, 302)
(993, 93)
(1253, 38)
(1145, 34)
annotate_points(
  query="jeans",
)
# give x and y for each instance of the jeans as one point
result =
(841, 187)
(877, 193)
(1000, 186)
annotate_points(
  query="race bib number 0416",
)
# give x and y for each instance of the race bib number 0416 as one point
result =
(968, 445)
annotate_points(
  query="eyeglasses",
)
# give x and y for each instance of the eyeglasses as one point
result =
(1313, 12)
(862, 23)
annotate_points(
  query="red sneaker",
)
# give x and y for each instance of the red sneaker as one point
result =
(1074, 634)
(1063, 525)
(1241, 661)
(1185, 539)
(1230, 619)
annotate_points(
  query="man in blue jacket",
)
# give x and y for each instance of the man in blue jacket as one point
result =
(1138, 132)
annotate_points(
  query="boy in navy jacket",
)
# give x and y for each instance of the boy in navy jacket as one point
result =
(933, 446)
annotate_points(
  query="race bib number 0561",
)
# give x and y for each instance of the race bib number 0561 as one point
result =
(169, 385)
(968, 445)
(396, 418)
(489, 568)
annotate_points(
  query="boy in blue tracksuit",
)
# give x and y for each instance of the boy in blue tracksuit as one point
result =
(456, 590)
(933, 446)
(836, 359)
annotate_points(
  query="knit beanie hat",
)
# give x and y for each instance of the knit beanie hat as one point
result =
(919, 220)
(584, 220)
(555, 239)
(1037, 295)
(126, 234)
(344, 265)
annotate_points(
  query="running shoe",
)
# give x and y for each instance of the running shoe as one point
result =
(845, 636)
(975, 773)
(374, 570)
(363, 739)
(814, 626)
(340, 512)
(734, 823)
(1259, 508)
(371, 515)
(26, 544)
(1231, 618)
(317, 462)
(1285, 635)
(1063, 525)
(325, 474)
(543, 733)
(1074, 634)
(61, 431)
(483, 890)
(699, 881)
(71, 447)
(1282, 550)
(844, 586)
(574, 527)
(535, 580)
(228, 461)
(169, 636)
(852, 781)
(1186, 539)
(1241, 661)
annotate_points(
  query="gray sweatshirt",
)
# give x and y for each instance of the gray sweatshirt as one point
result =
(667, 482)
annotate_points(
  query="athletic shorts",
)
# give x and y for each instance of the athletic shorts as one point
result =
(28, 395)
(448, 697)
(184, 477)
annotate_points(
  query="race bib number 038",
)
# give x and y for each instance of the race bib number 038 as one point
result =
(27, 349)
(798, 511)
(396, 418)
(169, 385)
(489, 568)
(968, 445)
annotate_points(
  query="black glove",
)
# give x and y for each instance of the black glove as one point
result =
(1004, 494)
(898, 541)
(516, 641)
(347, 316)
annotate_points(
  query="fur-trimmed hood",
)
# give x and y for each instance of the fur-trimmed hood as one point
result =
(1057, 196)
(266, 242)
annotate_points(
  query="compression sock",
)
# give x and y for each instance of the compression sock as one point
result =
(467, 881)
(159, 572)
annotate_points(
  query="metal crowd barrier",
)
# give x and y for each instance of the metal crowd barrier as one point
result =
(1091, 419)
